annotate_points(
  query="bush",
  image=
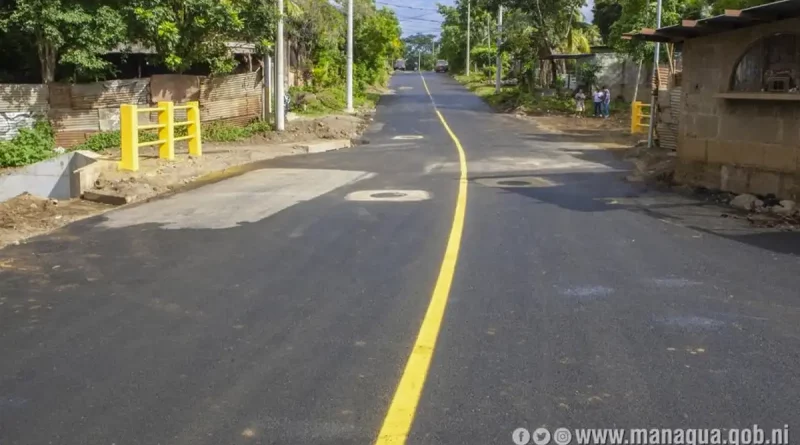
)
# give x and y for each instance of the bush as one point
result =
(29, 146)
(213, 132)
(226, 132)
(100, 142)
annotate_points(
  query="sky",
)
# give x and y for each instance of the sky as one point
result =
(420, 16)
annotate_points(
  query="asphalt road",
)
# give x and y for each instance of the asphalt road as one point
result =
(280, 308)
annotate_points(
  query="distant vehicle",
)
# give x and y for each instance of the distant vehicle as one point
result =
(441, 66)
(400, 64)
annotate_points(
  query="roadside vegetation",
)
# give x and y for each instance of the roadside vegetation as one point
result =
(73, 38)
(38, 143)
(535, 30)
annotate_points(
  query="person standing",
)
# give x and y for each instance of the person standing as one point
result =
(598, 101)
(606, 102)
(580, 103)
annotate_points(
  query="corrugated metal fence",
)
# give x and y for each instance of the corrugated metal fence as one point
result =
(78, 111)
(669, 104)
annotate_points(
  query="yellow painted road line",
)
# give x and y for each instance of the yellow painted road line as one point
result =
(398, 421)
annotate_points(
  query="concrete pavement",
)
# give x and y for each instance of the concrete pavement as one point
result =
(274, 308)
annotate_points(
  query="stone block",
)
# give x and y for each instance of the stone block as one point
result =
(790, 187)
(780, 158)
(323, 146)
(746, 154)
(733, 179)
(689, 172)
(712, 176)
(764, 182)
(103, 198)
(690, 149)
(790, 134)
(706, 126)
(736, 127)
(718, 153)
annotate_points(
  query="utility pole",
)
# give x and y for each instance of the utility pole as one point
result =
(280, 106)
(419, 60)
(349, 56)
(488, 30)
(499, 74)
(469, 22)
(654, 98)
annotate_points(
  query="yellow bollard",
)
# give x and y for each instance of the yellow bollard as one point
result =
(193, 129)
(635, 116)
(166, 133)
(129, 137)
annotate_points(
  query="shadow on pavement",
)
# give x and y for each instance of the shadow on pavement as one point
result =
(605, 191)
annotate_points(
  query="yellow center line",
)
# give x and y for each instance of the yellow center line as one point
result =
(398, 421)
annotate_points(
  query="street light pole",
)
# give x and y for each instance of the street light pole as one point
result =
(654, 98)
(349, 56)
(280, 106)
(499, 74)
(469, 22)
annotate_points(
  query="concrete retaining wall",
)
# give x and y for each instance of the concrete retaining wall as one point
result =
(62, 177)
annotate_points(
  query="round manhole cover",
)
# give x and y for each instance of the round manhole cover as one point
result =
(388, 195)
(516, 183)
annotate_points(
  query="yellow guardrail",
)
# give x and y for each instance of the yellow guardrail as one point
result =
(130, 127)
(637, 113)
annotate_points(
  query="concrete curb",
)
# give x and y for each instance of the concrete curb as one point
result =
(323, 146)
(217, 175)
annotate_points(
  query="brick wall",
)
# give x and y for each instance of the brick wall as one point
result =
(735, 145)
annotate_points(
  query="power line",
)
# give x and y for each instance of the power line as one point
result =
(418, 19)
(407, 7)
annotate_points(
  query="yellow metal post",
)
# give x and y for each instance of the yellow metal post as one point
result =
(635, 116)
(166, 118)
(193, 129)
(129, 137)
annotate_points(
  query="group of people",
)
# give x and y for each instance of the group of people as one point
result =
(602, 102)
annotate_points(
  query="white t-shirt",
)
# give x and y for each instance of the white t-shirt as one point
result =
(597, 96)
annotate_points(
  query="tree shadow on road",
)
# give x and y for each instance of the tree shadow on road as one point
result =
(608, 192)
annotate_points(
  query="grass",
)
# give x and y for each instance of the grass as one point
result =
(330, 100)
(30, 145)
(212, 132)
(511, 98)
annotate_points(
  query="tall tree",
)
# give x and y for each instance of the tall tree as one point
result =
(72, 32)
(606, 13)
(187, 32)
(419, 47)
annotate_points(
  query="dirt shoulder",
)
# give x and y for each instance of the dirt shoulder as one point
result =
(26, 216)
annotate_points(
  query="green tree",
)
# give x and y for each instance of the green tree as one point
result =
(606, 13)
(72, 32)
(452, 45)
(187, 32)
(420, 47)
(376, 43)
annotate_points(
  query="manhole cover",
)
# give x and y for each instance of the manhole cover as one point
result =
(517, 183)
(388, 195)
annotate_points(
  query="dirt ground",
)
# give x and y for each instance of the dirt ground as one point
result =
(26, 216)
(612, 133)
